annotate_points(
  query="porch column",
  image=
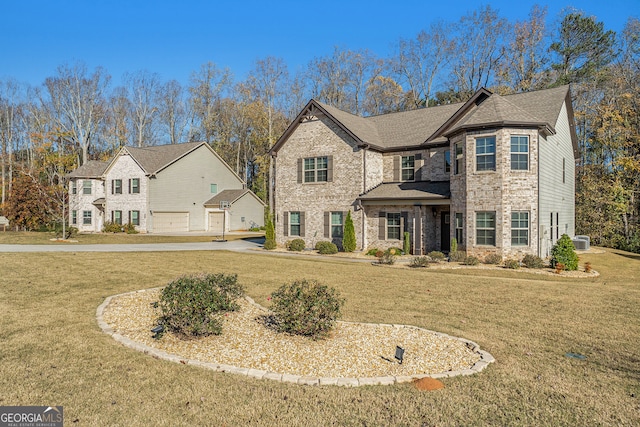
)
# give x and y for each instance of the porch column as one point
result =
(417, 230)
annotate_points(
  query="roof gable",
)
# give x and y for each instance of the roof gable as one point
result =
(91, 169)
(230, 196)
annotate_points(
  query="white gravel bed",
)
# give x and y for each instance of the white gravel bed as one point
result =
(353, 350)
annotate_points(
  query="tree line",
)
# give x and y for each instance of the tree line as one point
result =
(77, 114)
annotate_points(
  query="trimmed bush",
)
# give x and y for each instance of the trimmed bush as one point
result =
(532, 261)
(193, 305)
(326, 248)
(419, 261)
(270, 245)
(454, 245)
(471, 260)
(372, 251)
(493, 259)
(457, 256)
(512, 264)
(296, 245)
(129, 228)
(406, 243)
(436, 256)
(270, 235)
(111, 227)
(305, 307)
(349, 239)
(563, 252)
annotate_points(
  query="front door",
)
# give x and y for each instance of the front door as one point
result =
(445, 230)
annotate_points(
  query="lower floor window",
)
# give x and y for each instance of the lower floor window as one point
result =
(74, 217)
(294, 223)
(336, 224)
(486, 228)
(520, 228)
(116, 217)
(458, 228)
(393, 225)
(134, 217)
(86, 217)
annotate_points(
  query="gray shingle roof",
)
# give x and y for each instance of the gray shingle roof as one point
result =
(153, 159)
(91, 169)
(226, 196)
(421, 190)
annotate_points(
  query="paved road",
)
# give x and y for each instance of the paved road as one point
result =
(232, 245)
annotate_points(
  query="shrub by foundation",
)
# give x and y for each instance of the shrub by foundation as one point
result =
(532, 261)
(457, 256)
(471, 260)
(326, 248)
(512, 264)
(296, 245)
(436, 256)
(419, 261)
(493, 259)
(563, 252)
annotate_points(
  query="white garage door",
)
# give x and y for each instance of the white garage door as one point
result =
(170, 222)
(216, 221)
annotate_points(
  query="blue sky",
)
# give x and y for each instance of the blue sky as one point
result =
(174, 38)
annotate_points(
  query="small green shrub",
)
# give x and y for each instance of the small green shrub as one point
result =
(193, 305)
(493, 259)
(513, 264)
(454, 245)
(326, 248)
(112, 227)
(270, 244)
(436, 256)
(305, 307)
(471, 260)
(532, 261)
(394, 251)
(387, 258)
(406, 243)
(419, 261)
(296, 245)
(270, 235)
(563, 252)
(130, 228)
(349, 239)
(372, 251)
(457, 256)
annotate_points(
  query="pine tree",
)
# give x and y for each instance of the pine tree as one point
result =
(349, 240)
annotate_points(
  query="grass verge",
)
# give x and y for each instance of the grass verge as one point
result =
(53, 353)
(44, 238)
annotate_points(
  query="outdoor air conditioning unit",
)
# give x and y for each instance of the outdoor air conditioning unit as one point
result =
(582, 243)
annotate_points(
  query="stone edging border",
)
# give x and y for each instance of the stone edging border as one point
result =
(485, 358)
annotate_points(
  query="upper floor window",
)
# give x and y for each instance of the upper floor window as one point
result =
(74, 187)
(486, 228)
(214, 188)
(74, 217)
(486, 153)
(520, 228)
(459, 158)
(519, 152)
(408, 167)
(447, 161)
(316, 169)
(86, 187)
(134, 186)
(116, 186)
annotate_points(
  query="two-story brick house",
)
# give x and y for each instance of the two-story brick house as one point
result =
(160, 189)
(495, 172)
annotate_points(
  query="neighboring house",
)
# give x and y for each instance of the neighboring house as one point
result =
(163, 189)
(495, 172)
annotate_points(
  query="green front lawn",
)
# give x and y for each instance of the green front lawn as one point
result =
(45, 238)
(53, 353)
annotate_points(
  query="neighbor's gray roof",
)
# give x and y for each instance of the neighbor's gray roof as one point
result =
(420, 190)
(91, 169)
(153, 159)
(413, 128)
(226, 196)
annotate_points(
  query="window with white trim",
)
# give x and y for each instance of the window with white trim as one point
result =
(74, 217)
(315, 169)
(486, 228)
(74, 187)
(337, 222)
(394, 223)
(86, 217)
(134, 186)
(408, 168)
(520, 228)
(86, 186)
(116, 217)
(519, 152)
(116, 186)
(486, 153)
(459, 158)
(459, 227)
(447, 161)
(294, 223)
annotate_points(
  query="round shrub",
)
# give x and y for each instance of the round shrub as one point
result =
(372, 252)
(457, 256)
(493, 259)
(563, 252)
(305, 307)
(326, 248)
(471, 260)
(532, 261)
(419, 261)
(394, 251)
(193, 305)
(436, 256)
(512, 264)
(296, 245)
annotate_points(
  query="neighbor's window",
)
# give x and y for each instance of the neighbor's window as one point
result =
(486, 153)
(86, 186)
(408, 165)
(74, 187)
(459, 158)
(315, 169)
(116, 186)
(116, 217)
(520, 228)
(336, 224)
(134, 217)
(74, 217)
(134, 186)
(519, 152)
(458, 227)
(214, 188)
(393, 225)
(86, 217)
(486, 228)
(294, 223)
(447, 161)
